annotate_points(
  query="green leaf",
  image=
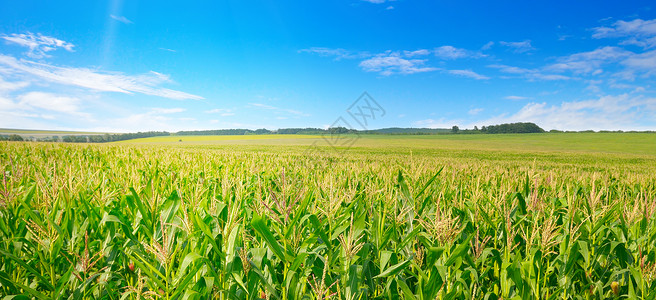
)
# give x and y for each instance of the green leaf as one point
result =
(260, 227)
(395, 269)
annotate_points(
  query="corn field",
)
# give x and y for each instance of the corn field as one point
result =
(162, 222)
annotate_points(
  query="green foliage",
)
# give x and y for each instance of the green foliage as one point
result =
(133, 222)
(513, 128)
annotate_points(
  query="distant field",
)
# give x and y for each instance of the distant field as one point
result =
(212, 139)
(618, 143)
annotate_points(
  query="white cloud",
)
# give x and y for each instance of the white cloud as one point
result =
(488, 45)
(643, 62)
(376, 1)
(224, 112)
(420, 52)
(589, 62)
(8, 86)
(40, 105)
(121, 19)
(621, 112)
(147, 84)
(153, 119)
(529, 74)
(389, 63)
(389, 7)
(469, 74)
(450, 52)
(47, 101)
(13, 115)
(166, 111)
(637, 32)
(475, 111)
(519, 47)
(38, 44)
(516, 98)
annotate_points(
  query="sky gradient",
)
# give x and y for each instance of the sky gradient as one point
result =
(124, 66)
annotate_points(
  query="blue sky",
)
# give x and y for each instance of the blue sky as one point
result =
(124, 66)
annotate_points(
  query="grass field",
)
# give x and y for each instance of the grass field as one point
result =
(211, 139)
(547, 216)
(620, 143)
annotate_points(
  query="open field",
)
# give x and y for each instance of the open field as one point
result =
(620, 143)
(212, 139)
(547, 216)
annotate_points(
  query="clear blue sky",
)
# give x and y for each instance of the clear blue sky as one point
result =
(157, 65)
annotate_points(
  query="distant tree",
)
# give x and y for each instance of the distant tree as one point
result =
(15, 138)
(262, 131)
(455, 129)
(475, 128)
(515, 128)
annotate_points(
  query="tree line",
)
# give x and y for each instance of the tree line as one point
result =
(522, 127)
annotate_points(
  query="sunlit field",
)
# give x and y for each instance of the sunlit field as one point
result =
(545, 216)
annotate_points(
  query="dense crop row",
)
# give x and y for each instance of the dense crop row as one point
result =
(125, 222)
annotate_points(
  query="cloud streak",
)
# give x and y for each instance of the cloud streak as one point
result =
(468, 74)
(337, 53)
(529, 74)
(451, 53)
(148, 84)
(37, 44)
(121, 19)
(610, 112)
(518, 47)
(636, 32)
(390, 63)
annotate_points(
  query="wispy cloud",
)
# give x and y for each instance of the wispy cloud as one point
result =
(41, 105)
(420, 52)
(167, 49)
(529, 74)
(519, 47)
(148, 84)
(279, 110)
(337, 53)
(475, 111)
(644, 63)
(516, 98)
(468, 73)
(38, 44)
(152, 119)
(589, 62)
(450, 52)
(121, 19)
(604, 113)
(8, 86)
(377, 1)
(224, 112)
(63, 104)
(390, 63)
(637, 32)
(166, 111)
